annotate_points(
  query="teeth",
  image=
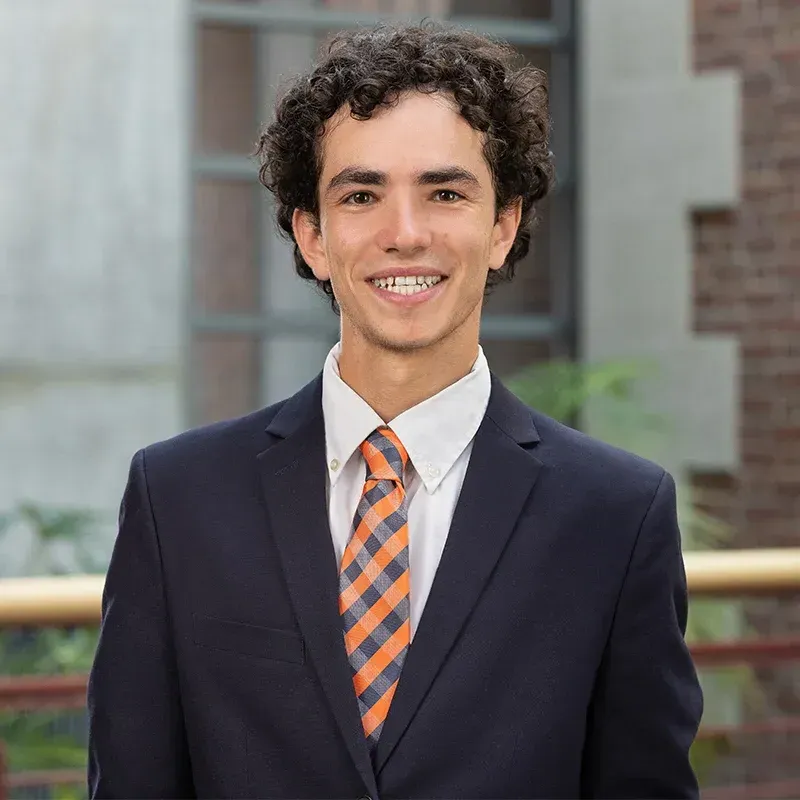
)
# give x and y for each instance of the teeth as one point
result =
(407, 284)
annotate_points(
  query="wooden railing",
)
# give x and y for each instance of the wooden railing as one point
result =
(74, 601)
(62, 601)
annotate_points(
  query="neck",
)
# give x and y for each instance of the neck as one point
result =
(393, 381)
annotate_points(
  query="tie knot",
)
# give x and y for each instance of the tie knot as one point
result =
(385, 455)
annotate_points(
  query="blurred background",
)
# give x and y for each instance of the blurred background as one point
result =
(144, 290)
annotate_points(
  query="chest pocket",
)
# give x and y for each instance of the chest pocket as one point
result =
(251, 640)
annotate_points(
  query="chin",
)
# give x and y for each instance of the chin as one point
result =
(406, 342)
(400, 345)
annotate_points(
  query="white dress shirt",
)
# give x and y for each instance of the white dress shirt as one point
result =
(438, 435)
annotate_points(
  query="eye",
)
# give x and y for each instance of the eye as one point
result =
(447, 195)
(358, 199)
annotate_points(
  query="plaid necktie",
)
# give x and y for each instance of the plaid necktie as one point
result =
(374, 582)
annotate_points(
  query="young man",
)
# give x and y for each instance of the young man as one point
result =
(400, 582)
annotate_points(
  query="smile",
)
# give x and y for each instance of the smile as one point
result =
(409, 284)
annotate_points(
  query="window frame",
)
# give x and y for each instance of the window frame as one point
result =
(557, 34)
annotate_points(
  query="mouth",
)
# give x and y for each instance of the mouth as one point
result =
(407, 285)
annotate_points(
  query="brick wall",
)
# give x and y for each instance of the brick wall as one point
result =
(747, 282)
(748, 262)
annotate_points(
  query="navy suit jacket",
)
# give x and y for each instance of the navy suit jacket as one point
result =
(549, 661)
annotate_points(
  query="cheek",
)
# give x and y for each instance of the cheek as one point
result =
(471, 247)
(345, 239)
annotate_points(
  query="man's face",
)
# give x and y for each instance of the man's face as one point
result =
(408, 229)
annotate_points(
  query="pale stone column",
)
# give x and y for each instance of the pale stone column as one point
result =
(657, 142)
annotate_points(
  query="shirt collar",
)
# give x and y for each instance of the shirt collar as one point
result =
(349, 419)
(434, 432)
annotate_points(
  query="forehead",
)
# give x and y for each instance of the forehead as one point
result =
(421, 131)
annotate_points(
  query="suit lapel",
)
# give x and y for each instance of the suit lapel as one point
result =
(499, 479)
(293, 482)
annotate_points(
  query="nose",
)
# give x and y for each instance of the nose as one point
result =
(405, 226)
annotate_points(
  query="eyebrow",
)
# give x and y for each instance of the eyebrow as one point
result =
(371, 177)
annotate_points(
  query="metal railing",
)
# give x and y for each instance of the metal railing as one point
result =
(75, 601)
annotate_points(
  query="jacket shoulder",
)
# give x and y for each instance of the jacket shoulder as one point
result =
(592, 460)
(214, 440)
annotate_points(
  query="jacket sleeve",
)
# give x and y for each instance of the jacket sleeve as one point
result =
(137, 741)
(647, 701)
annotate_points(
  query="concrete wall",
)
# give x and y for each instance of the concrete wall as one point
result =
(657, 143)
(93, 170)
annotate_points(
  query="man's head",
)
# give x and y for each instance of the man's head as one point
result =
(409, 151)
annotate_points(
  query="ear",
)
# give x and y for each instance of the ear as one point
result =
(504, 233)
(308, 236)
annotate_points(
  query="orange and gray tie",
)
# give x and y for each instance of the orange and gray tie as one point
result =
(374, 582)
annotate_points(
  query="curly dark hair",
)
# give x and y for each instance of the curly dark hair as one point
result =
(370, 68)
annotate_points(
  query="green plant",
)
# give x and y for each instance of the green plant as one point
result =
(54, 532)
(565, 390)
(59, 541)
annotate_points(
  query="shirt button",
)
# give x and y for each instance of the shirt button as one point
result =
(335, 464)
(433, 471)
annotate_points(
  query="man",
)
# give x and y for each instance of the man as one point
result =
(400, 582)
